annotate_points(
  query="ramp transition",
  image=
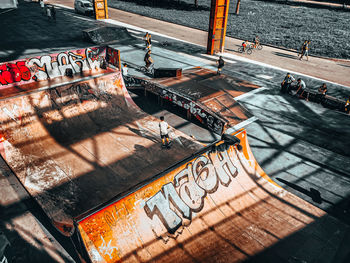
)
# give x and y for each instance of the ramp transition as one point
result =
(218, 206)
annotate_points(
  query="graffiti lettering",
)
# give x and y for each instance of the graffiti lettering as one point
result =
(51, 66)
(207, 118)
(107, 249)
(10, 73)
(160, 205)
(187, 192)
(82, 92)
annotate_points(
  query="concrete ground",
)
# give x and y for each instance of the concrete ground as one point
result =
(302, 146)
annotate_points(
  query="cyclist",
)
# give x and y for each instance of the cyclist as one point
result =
(286, 83)
(256, 41)
(148, 60)
(245, 45)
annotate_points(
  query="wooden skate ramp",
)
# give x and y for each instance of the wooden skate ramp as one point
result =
(208, 97)
(218, 206)
(77, 146)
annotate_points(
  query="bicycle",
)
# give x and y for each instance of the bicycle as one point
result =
(257, 46)
(148, 70)
(248, 50)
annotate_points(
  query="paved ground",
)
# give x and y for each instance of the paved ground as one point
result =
(303, 146)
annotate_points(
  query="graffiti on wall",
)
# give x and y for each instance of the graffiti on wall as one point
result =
(70, 94)
(113, 57)
(50, 66)
(176, 203)
(212, 122)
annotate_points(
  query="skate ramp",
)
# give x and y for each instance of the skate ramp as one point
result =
(218, 206)
(107, 34)
(76, 146)
(208, 97)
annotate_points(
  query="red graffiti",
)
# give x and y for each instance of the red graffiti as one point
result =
(10, 73)
(113, 56)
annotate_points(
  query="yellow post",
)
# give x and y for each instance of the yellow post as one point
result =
(101, 9)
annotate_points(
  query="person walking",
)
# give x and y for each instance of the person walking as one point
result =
(164, 133)
(48, 12)
(53, 13)
(221, 64)
(305, 52)
(42, 5)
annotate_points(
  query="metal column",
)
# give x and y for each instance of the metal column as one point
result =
(101, 9)
(217, 26)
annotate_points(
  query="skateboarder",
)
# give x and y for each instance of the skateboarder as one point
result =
(163, 128)
(221, 64)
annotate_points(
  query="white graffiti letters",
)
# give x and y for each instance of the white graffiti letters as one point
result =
(159, 204)
(186, 194)
(190, 192)
(49, 68)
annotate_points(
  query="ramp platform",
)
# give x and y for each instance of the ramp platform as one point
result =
(208, 97)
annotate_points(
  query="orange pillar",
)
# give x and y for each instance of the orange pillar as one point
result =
(237, 6)
(217, 26)
(101, 9)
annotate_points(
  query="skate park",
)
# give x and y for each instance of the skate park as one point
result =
(296, 211)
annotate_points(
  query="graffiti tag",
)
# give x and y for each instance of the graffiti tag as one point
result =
(177, 201)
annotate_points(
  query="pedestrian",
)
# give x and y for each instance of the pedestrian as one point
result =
(286, 83)
(148, 60)
(305, 52)
(164, 133)
(221, 64)
(347, 106)
(53, 13)
(301, 54)
(48, 12)
(42, 5)
(125, 70)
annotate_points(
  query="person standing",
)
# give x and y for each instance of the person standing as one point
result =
(53, 13)
(48, 12)
(164, 133)
(221, 64)
(42, 5)
(125, 70)
(347, 106)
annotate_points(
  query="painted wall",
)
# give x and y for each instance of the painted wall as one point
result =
(50, 66)
(198, 111)
(151, 220)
